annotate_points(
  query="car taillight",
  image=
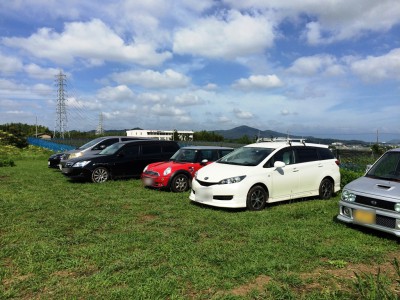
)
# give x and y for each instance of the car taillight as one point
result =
(337, 162)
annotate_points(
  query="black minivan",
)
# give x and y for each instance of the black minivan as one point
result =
(123, 159)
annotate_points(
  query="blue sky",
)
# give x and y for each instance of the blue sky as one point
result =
(312, 67)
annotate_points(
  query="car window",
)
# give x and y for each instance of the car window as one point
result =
(104, 144)
(206, 154)
(387, 167)
(306, 155)
(225, 152)
(131, 150)
(246, 156)
(185, 155)
(151, 149)
(285, 155)
(90, 144)
(111, 149)
(325, 154)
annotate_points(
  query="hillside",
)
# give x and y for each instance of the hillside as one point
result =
(238, 132)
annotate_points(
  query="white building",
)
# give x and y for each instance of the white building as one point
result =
(184, 135)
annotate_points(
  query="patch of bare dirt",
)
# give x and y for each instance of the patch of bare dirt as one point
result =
(328, 277)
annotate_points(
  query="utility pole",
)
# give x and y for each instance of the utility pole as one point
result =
(61, 108)
(100, 129)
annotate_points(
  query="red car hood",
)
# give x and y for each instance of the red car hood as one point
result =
(162, 165)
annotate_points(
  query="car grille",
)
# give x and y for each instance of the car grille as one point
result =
(204, 183)
(151, 173)
(375, 203)
(385, 221)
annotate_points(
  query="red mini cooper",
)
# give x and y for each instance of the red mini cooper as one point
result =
(177, 173)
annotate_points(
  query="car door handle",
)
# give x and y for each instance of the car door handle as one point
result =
(295, 170)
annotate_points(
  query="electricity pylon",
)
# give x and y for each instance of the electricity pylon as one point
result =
(61, 108)
(100, 129)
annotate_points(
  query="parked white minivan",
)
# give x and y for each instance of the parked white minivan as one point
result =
(266, 172)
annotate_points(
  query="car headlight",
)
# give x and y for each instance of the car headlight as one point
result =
(397, 207)
(235, 179)
(81, 164)
(167, 171)
(75, 155)
(145, 168)
(347, 196)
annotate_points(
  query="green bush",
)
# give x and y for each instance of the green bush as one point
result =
(347, 176)
(7, 163)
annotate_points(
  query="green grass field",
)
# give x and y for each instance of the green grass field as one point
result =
(72, 240)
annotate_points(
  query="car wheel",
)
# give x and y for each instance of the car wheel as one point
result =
(326, 189)
(180, 183)
(256, 198)
(100, 174)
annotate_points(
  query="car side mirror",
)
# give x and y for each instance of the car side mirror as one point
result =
(279, 164)
(102, 147)
(204, 162)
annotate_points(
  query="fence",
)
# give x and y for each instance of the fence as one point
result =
(55, 146)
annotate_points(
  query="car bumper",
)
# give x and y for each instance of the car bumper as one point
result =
(220, 195)
(155, 181)
(382, 220)
(76, 172)
(53, 164)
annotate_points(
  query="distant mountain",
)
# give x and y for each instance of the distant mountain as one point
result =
(393, 142)
(238, 132)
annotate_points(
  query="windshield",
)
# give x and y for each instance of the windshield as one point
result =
(90, 144)
(246, 156)
(111, 149)
(184, 155)
(387, 167)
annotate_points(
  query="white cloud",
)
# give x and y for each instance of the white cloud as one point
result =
(258, 82)
(378, 67)
(335, 20)
(115, 94)
(312, 65)
(91, 41)
(241, 114)
(152, 79)
(9, 64)
(167, 110)
(188, 100)
(152, 98)
(35, 71)
(230, 36)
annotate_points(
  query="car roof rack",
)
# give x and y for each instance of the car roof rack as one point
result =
(281, 139)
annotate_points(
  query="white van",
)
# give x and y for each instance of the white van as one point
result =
(267, 172)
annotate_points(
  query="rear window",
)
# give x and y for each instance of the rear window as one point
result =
(170, 148)
(325, 154)
(306, 155)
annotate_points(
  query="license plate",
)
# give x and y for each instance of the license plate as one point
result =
(147, 181)
(364, 216)
(204, 194)
(48, 163)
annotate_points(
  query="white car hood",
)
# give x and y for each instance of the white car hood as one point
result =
(215, 172)
(376, 187)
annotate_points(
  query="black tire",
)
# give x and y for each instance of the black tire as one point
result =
(180, 183)
(326, 189)
(100, 175)
(256, 198)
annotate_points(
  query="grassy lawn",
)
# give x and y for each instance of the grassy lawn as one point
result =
(64, 240)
